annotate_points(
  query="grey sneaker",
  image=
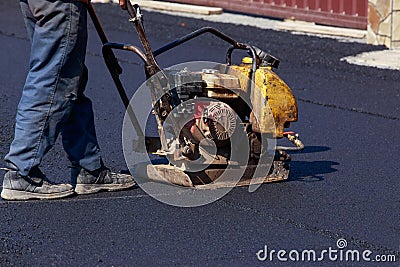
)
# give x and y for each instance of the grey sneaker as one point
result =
(35, 186)
(103, 179)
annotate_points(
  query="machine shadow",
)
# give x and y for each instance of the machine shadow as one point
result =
(311, 171)
(311, 149)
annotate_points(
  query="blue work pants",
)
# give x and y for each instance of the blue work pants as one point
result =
(53, 99)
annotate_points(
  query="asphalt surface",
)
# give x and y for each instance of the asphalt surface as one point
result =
(345, 184)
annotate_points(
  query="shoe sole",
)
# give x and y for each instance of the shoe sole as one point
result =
(9, 194)
(83, 189)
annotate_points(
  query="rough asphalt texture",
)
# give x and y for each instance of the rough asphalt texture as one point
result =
(344, 185)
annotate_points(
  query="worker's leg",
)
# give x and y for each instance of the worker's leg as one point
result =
(58, 33)
(78, 132)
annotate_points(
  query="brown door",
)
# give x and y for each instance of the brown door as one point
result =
(344, 13)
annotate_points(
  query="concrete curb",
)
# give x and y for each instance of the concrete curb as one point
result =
(168, 6)
(311, 27)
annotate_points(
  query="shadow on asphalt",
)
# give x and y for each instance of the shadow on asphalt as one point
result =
(311, 149)
(311, 171)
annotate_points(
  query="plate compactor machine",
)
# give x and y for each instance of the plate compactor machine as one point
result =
(217, 124)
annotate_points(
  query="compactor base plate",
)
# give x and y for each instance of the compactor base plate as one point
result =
(210, 177)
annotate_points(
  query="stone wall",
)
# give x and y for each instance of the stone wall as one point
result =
(384, 23)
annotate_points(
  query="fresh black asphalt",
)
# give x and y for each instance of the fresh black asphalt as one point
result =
(345, 184)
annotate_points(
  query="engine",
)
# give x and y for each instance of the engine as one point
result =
(217, 102)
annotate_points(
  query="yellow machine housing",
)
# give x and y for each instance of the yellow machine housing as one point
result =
(275, 92)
